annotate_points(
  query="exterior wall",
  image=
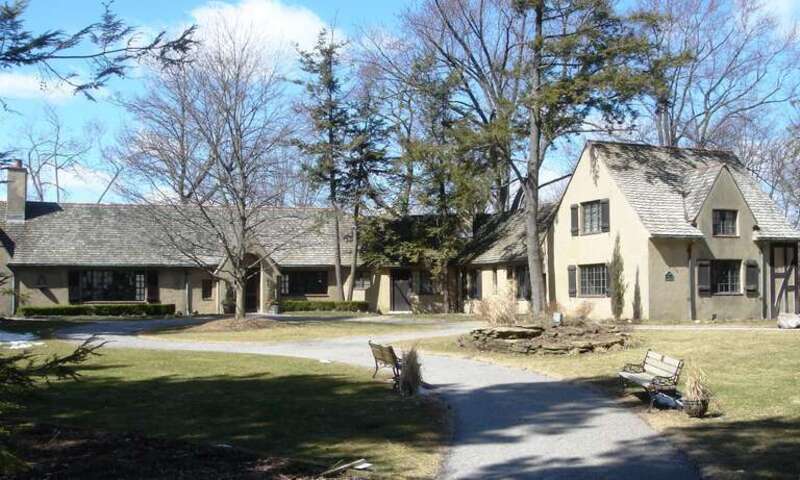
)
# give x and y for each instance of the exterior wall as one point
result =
(592, 181)
(726, 195)
(196, 302)
(380, 295)
(671, 299)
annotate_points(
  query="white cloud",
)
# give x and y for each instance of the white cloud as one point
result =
(30, 86)
(786, 12)
(275, 27)
(83, 184)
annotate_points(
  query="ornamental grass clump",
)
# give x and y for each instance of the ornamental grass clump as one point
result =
(498, 310)
(411, 373)
(698, 393)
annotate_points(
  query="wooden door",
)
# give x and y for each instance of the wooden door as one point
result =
(783, 279)
(252, 292)
(401, 291)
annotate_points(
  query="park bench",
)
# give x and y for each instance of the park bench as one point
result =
(657, 373)
(386, 358)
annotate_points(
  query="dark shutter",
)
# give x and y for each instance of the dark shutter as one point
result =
(751, 277)
(74, 282)
(574, 213)
(604, 218)
(152, 286)
(704, 277)
(573, 280)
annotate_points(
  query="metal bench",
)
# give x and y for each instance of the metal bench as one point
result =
(386, 358)
(657, 373)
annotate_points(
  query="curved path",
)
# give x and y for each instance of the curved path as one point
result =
(509, 423)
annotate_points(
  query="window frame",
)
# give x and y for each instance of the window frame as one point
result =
(300, 280)
(102, 285)
(522, 283)
(585, 287)
(736, 288)
(207, 289)
(594, 206)
(363, 280)
(715, 213)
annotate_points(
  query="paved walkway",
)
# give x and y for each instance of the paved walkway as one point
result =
(509, 423)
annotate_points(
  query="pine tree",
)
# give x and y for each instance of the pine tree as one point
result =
(618, 286)
(329, 119)
(637, 299)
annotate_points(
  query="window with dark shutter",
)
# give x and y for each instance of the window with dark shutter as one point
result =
(751, 277)
(74, 283)
(207, 287)
(152, 287)
(704, 277)
(574, 212)
(572, 280)
(604, 215)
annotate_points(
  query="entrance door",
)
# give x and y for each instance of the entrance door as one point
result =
(784, 292)
(252, 291)
(401, 290)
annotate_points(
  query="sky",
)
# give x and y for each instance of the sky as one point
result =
(282, 22)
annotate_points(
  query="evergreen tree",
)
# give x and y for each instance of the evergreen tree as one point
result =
(637, 299)
(616, 271)
(328, 115)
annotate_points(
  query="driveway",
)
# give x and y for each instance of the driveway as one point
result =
(509, 423)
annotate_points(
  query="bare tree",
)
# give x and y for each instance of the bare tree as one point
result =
(49, 150)
(716, 63)
(233, 109)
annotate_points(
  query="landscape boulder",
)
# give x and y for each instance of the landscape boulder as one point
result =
(561, 340)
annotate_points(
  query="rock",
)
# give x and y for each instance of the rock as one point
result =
(788, 320)
(515, 332)
(530, 340)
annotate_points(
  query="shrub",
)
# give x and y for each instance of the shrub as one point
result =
(618, 286)
(321, 306)
(498, 309)
(637, 299)
(697, 386)
(104, 310)
(411, 373)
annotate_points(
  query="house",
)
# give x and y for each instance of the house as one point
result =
(696, 232)
(697, 235)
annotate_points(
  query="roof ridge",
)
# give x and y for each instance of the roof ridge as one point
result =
(665, 147)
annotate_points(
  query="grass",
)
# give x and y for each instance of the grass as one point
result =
(272, 405)
(754, 431)
(284, 330)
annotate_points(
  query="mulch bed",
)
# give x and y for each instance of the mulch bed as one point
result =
(66, 453)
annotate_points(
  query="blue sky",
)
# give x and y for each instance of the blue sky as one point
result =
(293, 21)
(285, 21)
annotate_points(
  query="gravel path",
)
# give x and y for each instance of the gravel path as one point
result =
(509, 423)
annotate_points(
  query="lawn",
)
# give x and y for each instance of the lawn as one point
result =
(287, 329)
(755, 431)
(280, 406)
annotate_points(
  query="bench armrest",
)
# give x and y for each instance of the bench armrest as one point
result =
(659, 381)
(633, 368)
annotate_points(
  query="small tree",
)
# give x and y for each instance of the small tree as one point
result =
(637, 299)
(616, 270)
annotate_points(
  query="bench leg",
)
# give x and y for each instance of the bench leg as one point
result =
(376, 369)
(652, 400)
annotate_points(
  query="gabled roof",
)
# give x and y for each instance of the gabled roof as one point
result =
(668, 186)
(502, 238)
(128, 235)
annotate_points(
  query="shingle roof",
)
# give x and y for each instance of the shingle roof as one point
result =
(667, 187)
(129, 235)
(502, 238)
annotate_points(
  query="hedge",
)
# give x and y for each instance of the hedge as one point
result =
(312, 306)
(104, 310)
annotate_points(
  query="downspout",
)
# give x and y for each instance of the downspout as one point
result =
(692, 301)
(14, 293)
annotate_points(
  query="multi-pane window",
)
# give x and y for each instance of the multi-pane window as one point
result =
(363, 280)
(207, 288)
(592, 217)
(594, 280)
(470, 284)
(107, 286)
(426, 285)
(724, 222)
(308, 282)
(725, 276)
(283, 284)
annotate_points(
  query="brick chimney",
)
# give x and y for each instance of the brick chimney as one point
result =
(16, 191)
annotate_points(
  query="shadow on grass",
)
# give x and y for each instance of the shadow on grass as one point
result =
(321, 417)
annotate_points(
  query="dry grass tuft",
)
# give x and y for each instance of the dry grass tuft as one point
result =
(411, 373)
(498, 309)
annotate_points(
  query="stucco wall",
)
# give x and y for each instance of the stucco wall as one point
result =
(726, 195)
(592, 181)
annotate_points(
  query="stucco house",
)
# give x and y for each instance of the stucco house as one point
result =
(697, 234)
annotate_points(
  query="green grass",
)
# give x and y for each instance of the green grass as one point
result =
(272, 405)
(296, 329)
(755, 428)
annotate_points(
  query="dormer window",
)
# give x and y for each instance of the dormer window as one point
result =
(724, 223)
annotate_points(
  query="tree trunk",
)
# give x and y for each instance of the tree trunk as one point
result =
(354, 261)
(337, 255)
(446, 289)
(532, 182)
(240, 299)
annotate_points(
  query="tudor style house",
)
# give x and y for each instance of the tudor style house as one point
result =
(697, 234)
